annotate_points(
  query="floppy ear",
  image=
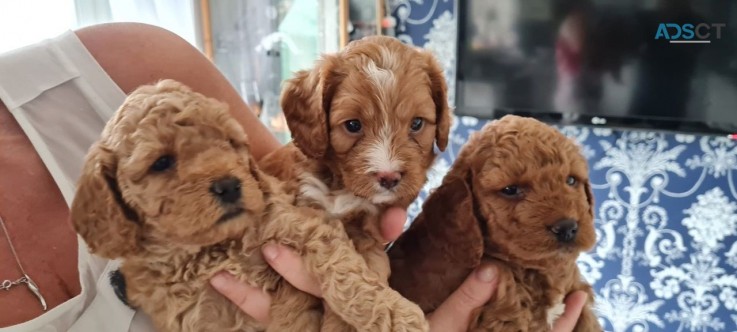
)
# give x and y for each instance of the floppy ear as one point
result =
(267, 184)
(261, 178)
(439, 249)
(451, 228)
(439, 91)
(306, 100)
(589, 196)
(109, 226)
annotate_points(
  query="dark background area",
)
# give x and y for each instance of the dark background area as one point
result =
(516, 57)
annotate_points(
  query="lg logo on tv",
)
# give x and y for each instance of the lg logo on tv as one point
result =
(689, 33)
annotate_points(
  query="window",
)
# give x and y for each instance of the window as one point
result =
(26, 22)
(29, 21)
(256, 44)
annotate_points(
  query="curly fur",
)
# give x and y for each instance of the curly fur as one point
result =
(467, 219)
(173, 234)
(385, 85)
(167, 226)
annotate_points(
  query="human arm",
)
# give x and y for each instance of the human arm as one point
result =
(134, 54)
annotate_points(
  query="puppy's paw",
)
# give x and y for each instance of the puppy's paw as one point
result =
(117, 281)
(406, 316)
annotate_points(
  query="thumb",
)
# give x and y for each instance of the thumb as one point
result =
(392, 223)
(455, 313)
(574, 305)
(252, 300)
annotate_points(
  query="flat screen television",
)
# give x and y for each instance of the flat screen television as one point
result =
(660, 64)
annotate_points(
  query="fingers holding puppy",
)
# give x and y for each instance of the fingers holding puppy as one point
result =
(252, 300)
(290, 265)
(256, 303)
(455, 313)
(574, 305)
(477, 290)
(392, 223)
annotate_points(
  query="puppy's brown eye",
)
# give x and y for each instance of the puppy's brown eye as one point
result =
(511, 191)
(571, 181)
(164, 163)
(417, 124)
(353, 126)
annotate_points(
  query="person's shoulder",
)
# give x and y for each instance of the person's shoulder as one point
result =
(135, 53)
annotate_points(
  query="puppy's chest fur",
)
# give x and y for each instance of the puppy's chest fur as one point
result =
(316, 186)
(545, 291)
(178, 286)
(356, 212)
(359, 216)
(532, 299)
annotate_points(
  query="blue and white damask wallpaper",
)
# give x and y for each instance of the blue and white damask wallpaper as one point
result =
(666, 207)
(431, 25)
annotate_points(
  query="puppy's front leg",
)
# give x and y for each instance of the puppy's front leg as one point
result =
(377, 261)
(352, 290)
(368, 243)
(378, 308)
(392, 311)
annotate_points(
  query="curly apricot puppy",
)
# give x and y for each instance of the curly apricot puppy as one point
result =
(365, 122)
(519, 195)
(172, 189)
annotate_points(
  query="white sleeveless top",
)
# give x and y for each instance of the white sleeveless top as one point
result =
(62, 98)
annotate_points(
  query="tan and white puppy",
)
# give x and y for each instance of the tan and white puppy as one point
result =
(365, 122)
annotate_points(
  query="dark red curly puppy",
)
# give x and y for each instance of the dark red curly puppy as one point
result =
(518, 195)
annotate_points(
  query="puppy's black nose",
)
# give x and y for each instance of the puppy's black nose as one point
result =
(226, 190)
(388, 180)
(565, 230)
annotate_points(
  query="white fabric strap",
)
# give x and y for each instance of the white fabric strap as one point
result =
(62, 98)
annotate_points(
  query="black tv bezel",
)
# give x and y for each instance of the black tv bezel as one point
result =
(673, 125)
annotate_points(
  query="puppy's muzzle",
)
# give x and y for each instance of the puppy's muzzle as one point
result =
(388, 180)
(565, 230)
(226, 190)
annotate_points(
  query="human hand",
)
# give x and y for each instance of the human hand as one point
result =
(289, 265)
(453, 315)
(574, 305)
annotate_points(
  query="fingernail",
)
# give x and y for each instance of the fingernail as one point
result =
(270, 251)
(486, 273)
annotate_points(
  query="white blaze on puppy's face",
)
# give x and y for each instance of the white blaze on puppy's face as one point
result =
(382, 79)
(380, 156)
